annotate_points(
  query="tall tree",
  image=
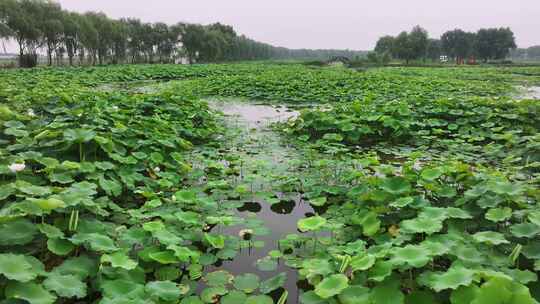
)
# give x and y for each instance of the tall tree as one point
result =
(458, 44)
(384, 45)
(434, 49)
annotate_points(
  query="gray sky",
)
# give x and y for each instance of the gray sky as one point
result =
(353, 24)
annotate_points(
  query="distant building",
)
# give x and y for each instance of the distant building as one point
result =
(443, 58)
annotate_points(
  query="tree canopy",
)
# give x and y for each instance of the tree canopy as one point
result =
(95, 38)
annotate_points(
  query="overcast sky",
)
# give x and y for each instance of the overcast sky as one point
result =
(352, 24)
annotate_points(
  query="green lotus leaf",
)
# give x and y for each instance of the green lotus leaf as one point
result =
(421, 225)
(66, 286)
(266, 264)
(387, 292)
(234, 297)
(532, 250)
(50, 231)
(216, 241)
(498, 214)
(153, 226)
(48, 204)
(311, 297)
(380, 271)
(396, 185)
(111, 186)
(501, 290)
(311, 223)
(331, 286)
(119, 260)
(318, 201)
(165, 290)
(28, 188)
(219, 278)
(457, 213)
(273, 283)
(164, 257)
(490, 237)
(6, 191)
(30, 292)
(431, 174)
(368, 220)
(522, 276)
(184, 254)
(17, 232)
(122, 289)
(81, 267)
(100, 242)
(186, 196)
(355, 294)
(17, 267)
(413, 255)
(534, 217)
(191, 300)
(464, 294)
(247, 283)
(212, 294)
(166, 237)
(260, 299)
(362, 262)
(525, 230)
(60, 246)
(455, 277)
(317, 266)
(188, 217)
(402, 202)
(421, 297)
(79, 135)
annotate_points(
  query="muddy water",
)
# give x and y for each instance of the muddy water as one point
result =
(261, 150)
(532, 92)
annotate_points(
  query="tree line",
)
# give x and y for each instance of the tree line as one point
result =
(94, 38)
(485, 44)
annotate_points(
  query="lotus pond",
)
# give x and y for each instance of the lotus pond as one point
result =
(269, 183)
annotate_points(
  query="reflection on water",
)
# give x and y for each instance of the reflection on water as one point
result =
(254, 115)
(279, 212)
(528, 92)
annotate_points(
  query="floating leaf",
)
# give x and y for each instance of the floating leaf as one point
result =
(387, 292)
(31, 292)
(431, 174)
(426, 225)
(311, 223)
(120, 260)
(60, 246)
(498, 214)
(362, 262)
(331, 286)
(165, 290)
(212, 294)
(67, 286)
(17, 232)
(261, 299)
(396, 185)
(318, 201)
(455, 277)
(234, 297)
(17, 267)
(355, 295)
(525, 230)
(247, 283)
(490, 237)
(413, 255)
(219, 278)
(273, 283)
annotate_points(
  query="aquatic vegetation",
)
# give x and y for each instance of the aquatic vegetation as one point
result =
(398, 185)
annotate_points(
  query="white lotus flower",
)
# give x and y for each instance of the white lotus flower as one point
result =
(31, 113)
(16, 167)
(157, 169)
